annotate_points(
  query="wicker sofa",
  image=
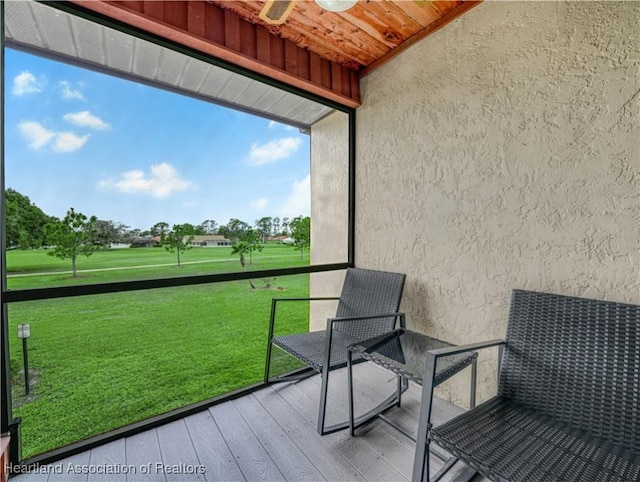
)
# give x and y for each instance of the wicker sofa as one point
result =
(568, 402)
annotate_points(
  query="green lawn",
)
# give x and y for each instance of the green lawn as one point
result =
(35, 268)
(104, 361)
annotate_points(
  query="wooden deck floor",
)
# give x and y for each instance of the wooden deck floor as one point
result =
(269, 435)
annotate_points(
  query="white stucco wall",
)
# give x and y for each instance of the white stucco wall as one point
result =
(504, 152)
(329, 210)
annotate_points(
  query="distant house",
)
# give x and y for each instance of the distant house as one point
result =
(209, 240)
(120, 245)
(145, 242)
(275, 239)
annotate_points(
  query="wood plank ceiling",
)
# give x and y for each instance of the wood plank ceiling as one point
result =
(322, 52)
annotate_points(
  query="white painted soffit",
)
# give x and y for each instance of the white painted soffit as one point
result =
(43, 29)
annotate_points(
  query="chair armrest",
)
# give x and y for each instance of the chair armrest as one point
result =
(274, 302)
(365, 317)
(316, 298)
(420, 462)
(455, 350)
(433, 355)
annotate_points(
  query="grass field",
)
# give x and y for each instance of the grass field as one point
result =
(103, 361)
(34, 268)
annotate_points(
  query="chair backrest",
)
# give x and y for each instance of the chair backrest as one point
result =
(576, 360)
(369, 292)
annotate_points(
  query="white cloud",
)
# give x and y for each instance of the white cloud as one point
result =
(298, 202)
(69, 142)
(162, 181)
(68, 93)
(86, 119)
(260, 204)
(273, 150)
(38, 137)
(26, 83)
(36, 134)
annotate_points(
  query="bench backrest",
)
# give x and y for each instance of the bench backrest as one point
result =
(576, 360)
(368, 292)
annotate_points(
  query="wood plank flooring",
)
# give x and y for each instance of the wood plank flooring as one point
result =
(266, 436)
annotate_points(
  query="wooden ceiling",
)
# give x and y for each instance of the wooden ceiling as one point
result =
(360, 38)
(324, 53)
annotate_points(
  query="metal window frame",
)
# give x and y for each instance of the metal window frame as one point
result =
(12, 426)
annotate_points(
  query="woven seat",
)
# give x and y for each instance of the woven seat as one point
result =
(367, 307)
(568, 401)
(309, 348)
(526, 445)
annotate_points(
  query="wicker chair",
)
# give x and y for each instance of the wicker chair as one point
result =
(367, 307)
(568, 402)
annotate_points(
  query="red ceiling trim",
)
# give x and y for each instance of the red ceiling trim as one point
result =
(217, 32)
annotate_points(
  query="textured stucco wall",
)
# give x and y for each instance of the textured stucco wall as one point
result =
(504, 152)
(329, 210)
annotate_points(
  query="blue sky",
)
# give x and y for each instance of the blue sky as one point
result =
(134, 154)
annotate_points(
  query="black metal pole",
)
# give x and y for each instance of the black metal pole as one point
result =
(25, 358)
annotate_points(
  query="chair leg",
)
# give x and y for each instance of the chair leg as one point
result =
(267, 364)
(350, 387)
(474, 376)
(421, 458)
(322, 409)
(324, 383)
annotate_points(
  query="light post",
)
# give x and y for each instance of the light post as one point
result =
(24, 332)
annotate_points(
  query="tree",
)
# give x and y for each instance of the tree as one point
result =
(191, 230)
(246, 245)
(177, 240)
(301, 233)
(241, 248)
(275, 227)
(107, 232)
(253, 240)
(71, 237)
(25, 222)
(209, 226)
(235, 230)
(160, 229)
(126, 234)
(264, 227)
(285, 226)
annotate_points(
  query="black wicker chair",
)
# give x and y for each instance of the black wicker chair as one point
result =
(367, 307)
(568, 402)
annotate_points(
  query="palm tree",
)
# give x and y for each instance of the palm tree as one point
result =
(241, 248)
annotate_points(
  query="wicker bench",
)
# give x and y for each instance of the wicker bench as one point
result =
(568, 402)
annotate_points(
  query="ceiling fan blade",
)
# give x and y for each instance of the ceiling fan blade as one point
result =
(276, 12)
